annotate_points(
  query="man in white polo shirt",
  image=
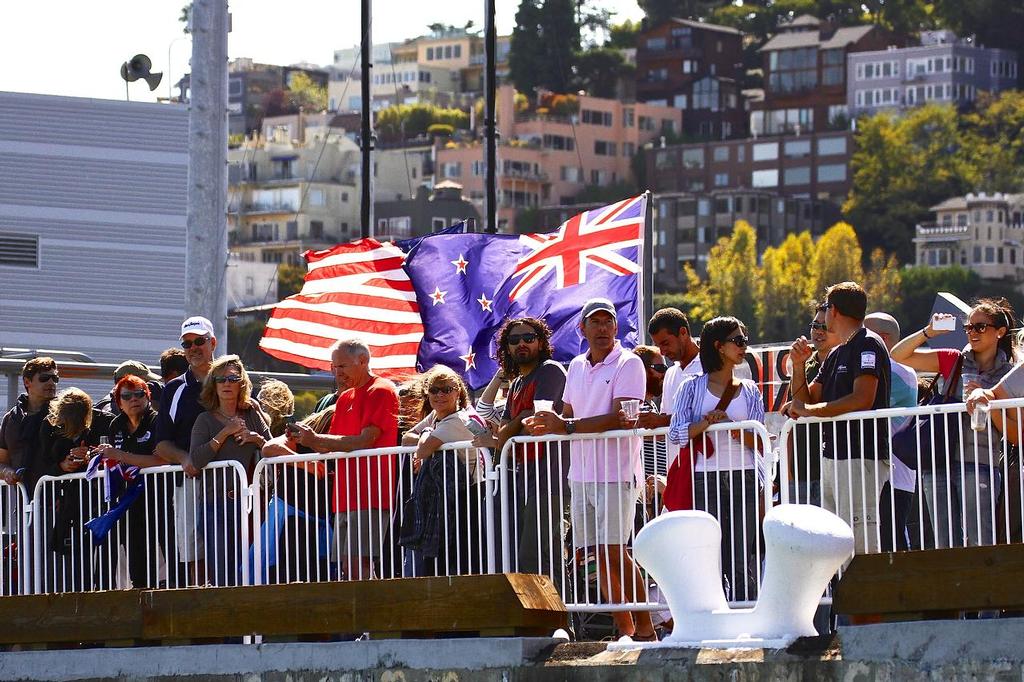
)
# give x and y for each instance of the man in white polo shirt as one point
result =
(602, 473)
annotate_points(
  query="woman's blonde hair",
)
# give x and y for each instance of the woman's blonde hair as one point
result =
(448, 375)
(278, 402)
(208, 396)
(71, 412)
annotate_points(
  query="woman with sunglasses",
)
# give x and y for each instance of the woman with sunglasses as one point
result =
(132, 443)
(961, 494)
(435, 529)
(726, 463)
(233, 428)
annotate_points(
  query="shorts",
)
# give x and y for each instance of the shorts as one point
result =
(602, 513)
(188, 509)
(359, 532)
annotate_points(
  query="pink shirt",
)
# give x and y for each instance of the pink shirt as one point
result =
(590, 390)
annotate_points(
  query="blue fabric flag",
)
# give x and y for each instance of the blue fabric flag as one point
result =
(468, 284)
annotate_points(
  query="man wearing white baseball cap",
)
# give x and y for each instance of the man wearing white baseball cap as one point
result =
(173, 432)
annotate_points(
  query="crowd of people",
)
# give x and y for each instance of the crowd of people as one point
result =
(429, 507)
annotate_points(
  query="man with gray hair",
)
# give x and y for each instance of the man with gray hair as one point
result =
(365, 417)
(895, 501)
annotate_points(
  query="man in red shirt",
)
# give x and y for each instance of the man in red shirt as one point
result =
(365, 417)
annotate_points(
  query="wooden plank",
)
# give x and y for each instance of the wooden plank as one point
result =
(74, 617)
(410, 605)
(931, 581)
(415, 607)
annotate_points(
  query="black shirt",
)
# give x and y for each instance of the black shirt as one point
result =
(179, 409)
(864, 354)
(19, 433)
(141, 441)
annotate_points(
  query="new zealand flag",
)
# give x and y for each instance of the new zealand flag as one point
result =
(468, 284)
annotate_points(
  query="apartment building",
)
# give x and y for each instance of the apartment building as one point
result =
(548, 159)
(696, 67)
(805, 75)
(982, 232)
(943, 68)
(430, 210)
(800, 166)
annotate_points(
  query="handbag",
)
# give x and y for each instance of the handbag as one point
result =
(678, 493)
(937, 434)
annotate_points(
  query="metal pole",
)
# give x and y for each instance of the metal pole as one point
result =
(206, 247)
(366, 130)
(647, 266)
(490, 118)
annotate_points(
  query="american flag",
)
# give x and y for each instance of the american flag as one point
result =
(357, 289)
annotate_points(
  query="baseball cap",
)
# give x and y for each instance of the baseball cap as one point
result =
(883, 323)
(197, 325)
(135, 368)
(593, 305)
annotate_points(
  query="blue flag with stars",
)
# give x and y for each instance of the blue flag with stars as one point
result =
(467, 285)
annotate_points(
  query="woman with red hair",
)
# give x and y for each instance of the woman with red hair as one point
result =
(132, 444)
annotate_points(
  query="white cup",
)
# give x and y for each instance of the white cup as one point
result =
(632, 409)
(543, 406)
(979, 418)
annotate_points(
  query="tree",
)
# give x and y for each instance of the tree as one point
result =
(303, 93)
(598, 71)
(290, 279)
(882, 282)
(544, 41)
(994, 134)
(731, 284)
(782, 300)
(407, 121)
(920, 284)
(622, 36)
(526, 48)
(837, 258)
(903, 166)
(658, 11)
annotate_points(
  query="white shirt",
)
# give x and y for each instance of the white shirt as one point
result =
(729, 453)
(675, 376)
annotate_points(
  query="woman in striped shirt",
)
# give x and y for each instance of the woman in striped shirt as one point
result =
(726, 463)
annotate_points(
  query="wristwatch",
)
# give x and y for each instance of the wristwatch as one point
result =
(570, 427)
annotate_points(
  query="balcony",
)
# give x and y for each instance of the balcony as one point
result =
(268, 208)
(931, 232)
(522, 174)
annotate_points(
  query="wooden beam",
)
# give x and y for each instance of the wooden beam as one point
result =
(933, 581)
(485, 605)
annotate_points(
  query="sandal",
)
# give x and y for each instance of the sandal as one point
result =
(653, 637)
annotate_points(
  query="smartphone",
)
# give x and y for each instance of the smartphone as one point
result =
(944, 324)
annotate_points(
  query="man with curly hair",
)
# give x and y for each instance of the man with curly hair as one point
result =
(524, 353)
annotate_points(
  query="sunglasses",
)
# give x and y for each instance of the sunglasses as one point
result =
(128, 395)
(44, 378)
(201, 341)
(660, 367)
(514, 339)
(819, 327)
(435, 390)
(227, 378)
(823, 307)
(739, 340)
(978, 327)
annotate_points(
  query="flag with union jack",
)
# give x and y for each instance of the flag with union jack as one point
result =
(468, 284)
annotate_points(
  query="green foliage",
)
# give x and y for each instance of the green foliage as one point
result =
(623, 35)
(837, 258)
(305, 401)
(731, 284)
(920, 284)
(599, 69)
(305, 94)
(405, 121)
(782, 300)
(442, 129)
(606, 194)
(289, 280)
(658, 11)
(544, 41)
(671, 300)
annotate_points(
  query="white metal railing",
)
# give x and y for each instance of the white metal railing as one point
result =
(177, 532)
(584, 547)
(310, 529)
(14, 540)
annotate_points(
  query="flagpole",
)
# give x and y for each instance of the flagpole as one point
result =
(645, 292)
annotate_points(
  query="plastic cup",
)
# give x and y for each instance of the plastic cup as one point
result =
(632, 409)
(968, 379)
(543, 406)
(979, 418)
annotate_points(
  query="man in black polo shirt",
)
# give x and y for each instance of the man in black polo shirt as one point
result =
(854, 378)
(179, 409)
(19, 428)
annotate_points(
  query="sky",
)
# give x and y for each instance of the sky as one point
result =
(76, 48)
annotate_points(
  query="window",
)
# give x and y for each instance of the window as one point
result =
(344, 197)
(597, 118)
(828, 146)
(765, 178)
(571, 174)
(722, 205)
(316, 197)
(656, 75)
(603, 148)
(721, 179)
(705, 94)
(800, 175)
(832, 173)
(629, 149)
(457, 51)
(628, 117)
(437, 224)
(990, 254)
(451, 169)
(793, 70)
(833, 67)
(430, 54)
(720, 153)
(693, 158)
(250, 286)
(704, 207)
(19, 251)
(797, 148)
(447, 51)
(977, 254)
(690, 65)
(679, 101)
(558, 142)
(316, 229)
(766, 151)
(646, 123)
(656, 43)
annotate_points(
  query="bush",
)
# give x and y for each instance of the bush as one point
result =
(440, 129)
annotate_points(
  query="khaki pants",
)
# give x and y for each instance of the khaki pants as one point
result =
(850, 488)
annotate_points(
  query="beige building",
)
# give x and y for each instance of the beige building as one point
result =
(288, 194)
(983, 232)
(546, 159)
